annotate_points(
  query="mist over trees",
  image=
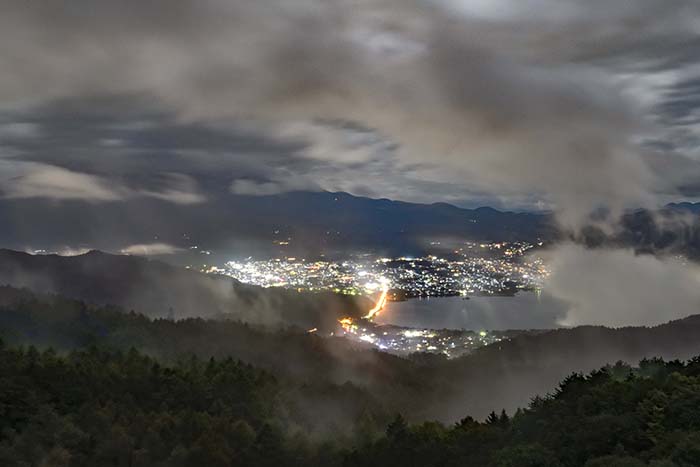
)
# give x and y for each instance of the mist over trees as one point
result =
(94, 407)
(423, 386)
(160, 290)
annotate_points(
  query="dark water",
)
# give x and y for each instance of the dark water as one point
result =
(524, 311)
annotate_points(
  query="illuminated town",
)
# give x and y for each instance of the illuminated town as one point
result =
(405, 341)
(473, 269)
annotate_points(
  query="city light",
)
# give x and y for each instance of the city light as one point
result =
(473, 269)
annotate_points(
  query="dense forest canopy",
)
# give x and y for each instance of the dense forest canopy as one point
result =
(86, 385)
(94, 407)
(423, 386)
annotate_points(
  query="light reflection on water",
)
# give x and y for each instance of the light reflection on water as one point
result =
(526, 310)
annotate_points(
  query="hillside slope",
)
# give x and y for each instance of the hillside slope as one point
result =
(505, 375)
(158, 289)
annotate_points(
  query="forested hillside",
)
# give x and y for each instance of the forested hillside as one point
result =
(423, 387)
(160, 290)
(99, 408)
(615, 417)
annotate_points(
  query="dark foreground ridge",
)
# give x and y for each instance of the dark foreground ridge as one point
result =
(94, 407)
(422, 386)
(504, 375)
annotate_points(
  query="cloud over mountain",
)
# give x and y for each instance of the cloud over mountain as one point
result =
(475, 96)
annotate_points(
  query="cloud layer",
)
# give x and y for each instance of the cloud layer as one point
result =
(619, 288)
(471, 95)
(183, 104)
(151, 249)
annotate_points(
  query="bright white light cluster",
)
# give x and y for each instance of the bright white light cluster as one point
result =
(486, 269)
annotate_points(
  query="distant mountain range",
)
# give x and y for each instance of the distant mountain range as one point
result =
(297, 223)
(303, 223)
(341, 221)
(310, 224)
(314, 223)
(673, 229)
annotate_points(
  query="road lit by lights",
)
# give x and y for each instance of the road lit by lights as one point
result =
(379, 306)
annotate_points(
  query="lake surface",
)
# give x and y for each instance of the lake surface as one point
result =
(526, 310)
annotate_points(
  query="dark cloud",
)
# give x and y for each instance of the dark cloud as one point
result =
(148, 125)
(460, 101)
